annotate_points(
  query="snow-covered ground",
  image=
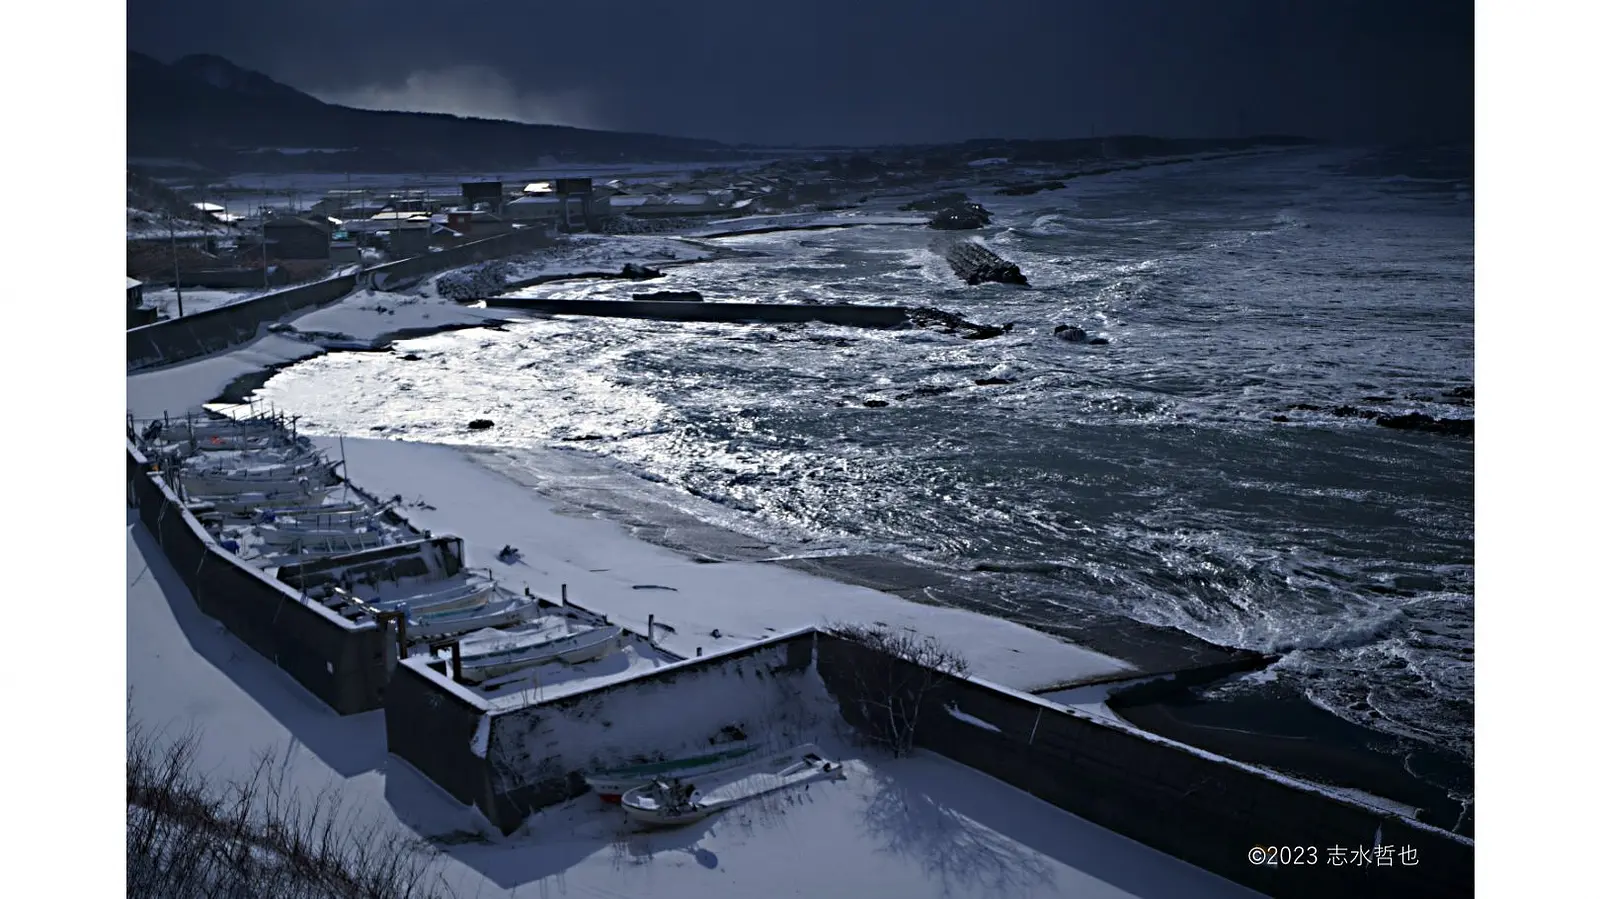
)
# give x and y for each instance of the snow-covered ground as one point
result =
(922, 826)
(610, 571)
(370, 316)
(182, 388)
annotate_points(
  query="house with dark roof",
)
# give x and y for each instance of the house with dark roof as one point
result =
(298, 237)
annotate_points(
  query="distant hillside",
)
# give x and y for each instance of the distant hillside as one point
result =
(206, 109)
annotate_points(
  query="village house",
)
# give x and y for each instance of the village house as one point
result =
(298, 237)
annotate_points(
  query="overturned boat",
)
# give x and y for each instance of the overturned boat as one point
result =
(667, 802)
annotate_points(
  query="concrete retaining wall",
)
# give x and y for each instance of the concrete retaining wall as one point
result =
(340, 662)
(1205, 810)
(215, 330)
(434, 730)
(534, 754)
(396, 275)
(856, 316)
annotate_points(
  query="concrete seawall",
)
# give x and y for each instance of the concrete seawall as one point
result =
(776, 313)
(226, 327)
(1204, 809)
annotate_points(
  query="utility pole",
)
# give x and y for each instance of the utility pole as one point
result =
(265, 284)
(177, 277)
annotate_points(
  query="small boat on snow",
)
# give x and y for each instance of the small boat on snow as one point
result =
(667, 802)
(572, 648)
(612, 783)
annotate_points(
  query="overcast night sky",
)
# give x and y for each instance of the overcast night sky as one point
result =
(864, 71)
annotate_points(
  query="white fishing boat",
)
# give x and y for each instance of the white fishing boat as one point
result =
(328, 545)
(470, 595)
(180, 429)
(433, 622)
(572, 648)
(246, 502)
(284, 534)
(671, 801)
(612, 783)
(234, 482)
(288, 458)
(272, 513)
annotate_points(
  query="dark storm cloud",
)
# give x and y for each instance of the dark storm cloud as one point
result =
(864, 71)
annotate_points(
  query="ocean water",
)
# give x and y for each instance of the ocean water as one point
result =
(1144, 479)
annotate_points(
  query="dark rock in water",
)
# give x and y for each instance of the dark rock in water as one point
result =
(934, 204)
(480, 424)
(1416, 421)
(965, 217)
(671, 296)
(1071, 333)
(1098, 341)
(977, 265)
(991, 382)
(636, 272)
(950, 323)
(875, 404)
(1377, 399)
(1345, 411)
(932, 390)
(984, 332)
(1280, 418)
(410, 357)
(1463, 393)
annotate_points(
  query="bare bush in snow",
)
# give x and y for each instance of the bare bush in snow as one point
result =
(254, 837)
(891, 675)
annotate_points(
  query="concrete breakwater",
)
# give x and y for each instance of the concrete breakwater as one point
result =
(668, 310)
(225, 327)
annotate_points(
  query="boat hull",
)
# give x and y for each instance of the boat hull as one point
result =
(438, 624)
(804, 764)
(570, 648)
(611, 784)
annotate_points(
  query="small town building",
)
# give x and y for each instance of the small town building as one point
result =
(298, 237)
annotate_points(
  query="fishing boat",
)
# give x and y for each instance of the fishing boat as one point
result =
(438, 623)
(469, 595)
(290, 535)
(572, 648)
(271, 514)
(328, 545)
(670, 801)
(265, 478)
(248, 501)
(612, 783)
